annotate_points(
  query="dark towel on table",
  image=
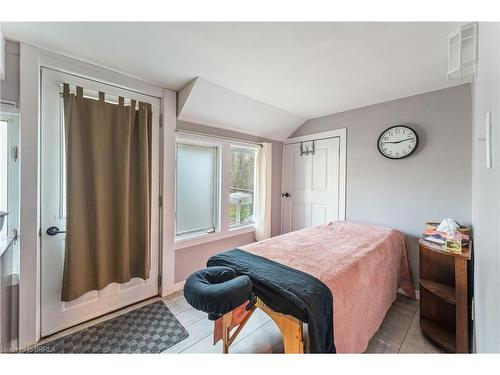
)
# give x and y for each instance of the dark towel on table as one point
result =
(287, 291)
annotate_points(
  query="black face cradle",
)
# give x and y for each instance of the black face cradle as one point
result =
(217, 290)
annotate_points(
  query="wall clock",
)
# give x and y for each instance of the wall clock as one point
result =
(398, 142)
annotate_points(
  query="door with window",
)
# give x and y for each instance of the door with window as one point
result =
(55, 314)
(312, 175)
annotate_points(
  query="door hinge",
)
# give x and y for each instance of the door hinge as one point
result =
(160, 200)
(161, 120)
(159, 281)
(14, 153)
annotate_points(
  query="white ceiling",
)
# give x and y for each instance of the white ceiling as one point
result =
(306, 69)
(206, 103)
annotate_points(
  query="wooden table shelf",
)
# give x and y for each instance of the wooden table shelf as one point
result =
(443, 291)
(444, 296)
(441, 336)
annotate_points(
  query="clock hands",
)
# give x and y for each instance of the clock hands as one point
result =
(397, 142)
(403, 140)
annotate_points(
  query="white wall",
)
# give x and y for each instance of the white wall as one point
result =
(486, 192)
(433, 183)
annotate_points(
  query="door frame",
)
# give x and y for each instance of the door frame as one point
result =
(113, 297)
(337, 133)
(32, 60)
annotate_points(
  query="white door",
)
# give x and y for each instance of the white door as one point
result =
(57, 315)
(311, 184)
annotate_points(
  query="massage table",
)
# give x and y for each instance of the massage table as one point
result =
(363, 265)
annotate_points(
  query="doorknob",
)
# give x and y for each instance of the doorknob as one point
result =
(285, 195)
(52, 231)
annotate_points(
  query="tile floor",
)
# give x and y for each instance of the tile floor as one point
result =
(399, 332)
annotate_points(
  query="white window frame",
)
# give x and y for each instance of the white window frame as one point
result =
(216, 182)
(12, 224)
(223, 229)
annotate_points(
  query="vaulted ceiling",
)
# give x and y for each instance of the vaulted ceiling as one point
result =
(306, 69)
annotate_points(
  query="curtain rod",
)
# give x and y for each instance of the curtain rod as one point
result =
(218, 136)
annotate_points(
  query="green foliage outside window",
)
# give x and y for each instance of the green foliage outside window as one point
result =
(241, 185)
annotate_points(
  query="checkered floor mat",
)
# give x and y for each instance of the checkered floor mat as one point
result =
(149, 329)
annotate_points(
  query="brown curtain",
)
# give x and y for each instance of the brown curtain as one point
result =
(108, 169)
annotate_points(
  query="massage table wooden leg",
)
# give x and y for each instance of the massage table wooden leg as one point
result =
(292, 334)
(227, 338)
(291, 329)
(226, 324)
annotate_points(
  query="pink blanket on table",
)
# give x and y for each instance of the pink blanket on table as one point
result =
(362, 264)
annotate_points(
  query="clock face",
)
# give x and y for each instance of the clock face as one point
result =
(398, 142)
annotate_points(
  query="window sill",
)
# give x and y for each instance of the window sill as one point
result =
(203, 238)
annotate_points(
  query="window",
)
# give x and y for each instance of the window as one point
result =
(241, 186)
(9, 173)
(9, 187)
(215, 189)
(197, 189)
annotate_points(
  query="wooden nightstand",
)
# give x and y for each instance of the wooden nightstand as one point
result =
(444, 296)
